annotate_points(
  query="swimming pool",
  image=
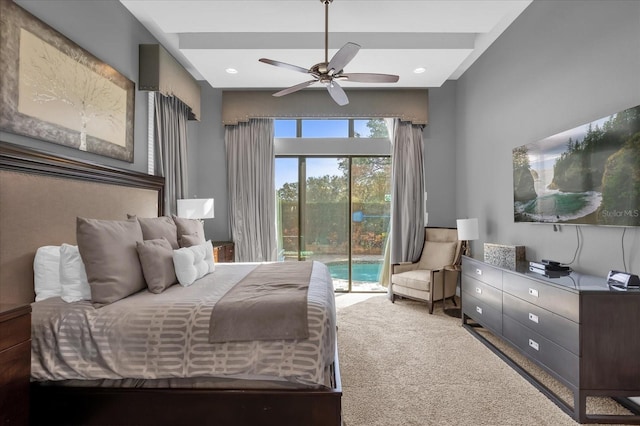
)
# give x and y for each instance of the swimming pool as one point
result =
(361, 271)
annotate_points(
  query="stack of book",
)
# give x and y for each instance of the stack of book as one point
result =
(549, 269)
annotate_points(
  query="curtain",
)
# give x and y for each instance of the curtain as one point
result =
(406, 236)
(251, 180)
(171, 116)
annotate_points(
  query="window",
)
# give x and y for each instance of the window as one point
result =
(331, 128)
(333, 196)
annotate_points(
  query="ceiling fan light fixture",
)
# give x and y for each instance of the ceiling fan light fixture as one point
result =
(330, 70)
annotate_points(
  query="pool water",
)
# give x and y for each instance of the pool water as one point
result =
(361, 271)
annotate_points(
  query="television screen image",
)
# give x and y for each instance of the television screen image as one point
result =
(586, 175)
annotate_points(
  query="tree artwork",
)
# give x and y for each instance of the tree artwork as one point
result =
(55, 91)
(85, 100)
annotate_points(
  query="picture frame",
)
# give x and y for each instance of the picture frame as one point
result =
(54, 90)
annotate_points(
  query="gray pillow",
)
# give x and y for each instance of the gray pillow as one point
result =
(154, 228)
(156, 259)
(189, 227)
(108, 250)
(190, 240)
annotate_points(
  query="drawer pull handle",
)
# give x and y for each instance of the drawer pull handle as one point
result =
(533, 318)
(533, 292)
(479, 310)
(478, 271)
(534, 344)
(478, 290)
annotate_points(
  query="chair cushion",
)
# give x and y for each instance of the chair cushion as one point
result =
(416, 279)
(435, 255)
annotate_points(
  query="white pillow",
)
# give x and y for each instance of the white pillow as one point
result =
(193, 262)
(46, 273)
(75, 285)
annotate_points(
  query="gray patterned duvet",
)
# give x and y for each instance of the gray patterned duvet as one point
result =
(165, 336)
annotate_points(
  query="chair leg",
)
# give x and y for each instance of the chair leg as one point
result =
(430, 307)
(453, 299)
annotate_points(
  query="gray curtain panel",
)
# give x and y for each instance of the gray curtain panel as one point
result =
(252, 212)
(407, 193)
(171, 116)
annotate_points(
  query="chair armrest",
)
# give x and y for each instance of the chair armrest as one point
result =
(397, 268)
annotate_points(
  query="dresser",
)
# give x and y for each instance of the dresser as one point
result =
(576, 328)
(15, 363)
(223, 251)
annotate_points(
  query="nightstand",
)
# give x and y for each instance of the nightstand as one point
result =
(223, 251)
(15, 363)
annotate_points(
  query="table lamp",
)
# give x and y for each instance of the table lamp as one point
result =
(196, 208)
(467, 231)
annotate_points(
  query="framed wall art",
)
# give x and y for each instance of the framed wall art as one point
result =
(52, 89)
(588, 175)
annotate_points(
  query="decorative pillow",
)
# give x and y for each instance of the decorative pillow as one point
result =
(193, 262)
(190, 240)
(108, 250)
(154, 228)
(156, 259)
(46, 273)
(189, 227)
(73, 276)
(435, 255)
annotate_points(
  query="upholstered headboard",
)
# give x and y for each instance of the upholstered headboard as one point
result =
(42, 194)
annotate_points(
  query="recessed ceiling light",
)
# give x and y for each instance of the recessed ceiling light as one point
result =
(419, 70)
(231, 71)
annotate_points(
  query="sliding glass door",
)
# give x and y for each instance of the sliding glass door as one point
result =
(370, 212)
(335, 210)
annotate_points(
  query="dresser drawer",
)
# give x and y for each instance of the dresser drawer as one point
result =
(558, 329)
(481, 291)
(483, 313)
(482, 272)
(554, 357)
(562, 302)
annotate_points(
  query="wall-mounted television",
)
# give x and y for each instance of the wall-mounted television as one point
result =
(586, 175)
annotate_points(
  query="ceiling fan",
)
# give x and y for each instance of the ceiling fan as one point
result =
(329, 71)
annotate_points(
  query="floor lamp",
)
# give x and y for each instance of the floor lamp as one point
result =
(467, 231)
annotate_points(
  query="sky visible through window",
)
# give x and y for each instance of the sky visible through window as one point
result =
(287, 168)
(321, 128)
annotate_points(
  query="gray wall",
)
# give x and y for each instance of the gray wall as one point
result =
(440, 156)
(208, 163)
(561, 64)
(108, 31)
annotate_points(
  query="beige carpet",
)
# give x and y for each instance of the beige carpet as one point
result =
(402, 366)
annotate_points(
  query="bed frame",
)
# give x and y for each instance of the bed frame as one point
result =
(40, 196)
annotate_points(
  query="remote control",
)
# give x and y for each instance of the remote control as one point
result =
(550, 262)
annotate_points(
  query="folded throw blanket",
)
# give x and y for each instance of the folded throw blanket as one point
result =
(270, 303)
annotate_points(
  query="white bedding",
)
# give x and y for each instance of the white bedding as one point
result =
(165, 336)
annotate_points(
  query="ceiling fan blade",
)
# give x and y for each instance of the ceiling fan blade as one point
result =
(343, 57)
(337, 93)
(369, 78)
(284, 65)
(294, 88)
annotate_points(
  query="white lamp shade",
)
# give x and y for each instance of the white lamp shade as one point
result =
(468, 229)
(196, 208)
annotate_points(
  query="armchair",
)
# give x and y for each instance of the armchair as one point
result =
(435, 275)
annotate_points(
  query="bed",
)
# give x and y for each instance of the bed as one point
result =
(40, 197)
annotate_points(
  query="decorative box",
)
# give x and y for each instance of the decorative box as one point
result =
(503, 256)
